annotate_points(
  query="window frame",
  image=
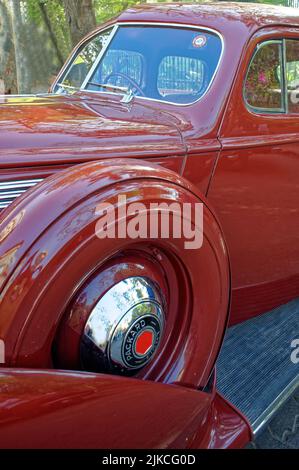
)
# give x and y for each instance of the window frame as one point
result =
(65, 70)
(285, 39)
(269, 111)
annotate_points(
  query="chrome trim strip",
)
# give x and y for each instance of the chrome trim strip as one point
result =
(19, 184)
(98, 59)
(10, 190)
(268, 414)
(11, 194)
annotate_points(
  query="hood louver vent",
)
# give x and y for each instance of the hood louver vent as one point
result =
(10, 190)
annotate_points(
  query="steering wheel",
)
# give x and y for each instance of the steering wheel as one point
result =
(125, 77)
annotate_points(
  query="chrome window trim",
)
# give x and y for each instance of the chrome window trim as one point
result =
(284, 77)
(141, 23)
(267, 111)
(66, 67)
(99, 58)
(286, 39)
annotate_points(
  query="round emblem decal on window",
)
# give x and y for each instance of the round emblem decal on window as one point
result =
(199, 41)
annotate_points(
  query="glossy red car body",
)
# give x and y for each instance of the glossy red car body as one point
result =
(242, 165)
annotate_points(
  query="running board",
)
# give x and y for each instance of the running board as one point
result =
(254, 370)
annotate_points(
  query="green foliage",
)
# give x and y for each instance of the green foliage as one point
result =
(273, 2)
(106, 9)
(56, 16)
(34, 11)
(48, 33)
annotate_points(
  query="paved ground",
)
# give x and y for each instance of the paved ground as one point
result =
(283, 430)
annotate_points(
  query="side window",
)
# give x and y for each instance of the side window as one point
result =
(85, 58)
(292, 75)
(263, 89)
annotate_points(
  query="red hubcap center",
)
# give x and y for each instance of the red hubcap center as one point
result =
(144, 342)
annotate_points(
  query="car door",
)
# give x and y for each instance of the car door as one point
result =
(255, 188)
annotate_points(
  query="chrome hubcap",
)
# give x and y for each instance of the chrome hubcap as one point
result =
(124, 329)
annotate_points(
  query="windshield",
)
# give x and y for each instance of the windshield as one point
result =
(173, 64)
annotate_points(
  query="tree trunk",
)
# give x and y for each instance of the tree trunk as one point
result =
(51, 32)
(21, 49)
(8, 78)
(80, 16)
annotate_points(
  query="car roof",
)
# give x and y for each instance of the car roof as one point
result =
(218, 15)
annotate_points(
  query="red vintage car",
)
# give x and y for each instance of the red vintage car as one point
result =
(120, 336)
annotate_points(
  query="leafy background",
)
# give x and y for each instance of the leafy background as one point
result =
(36, 36)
